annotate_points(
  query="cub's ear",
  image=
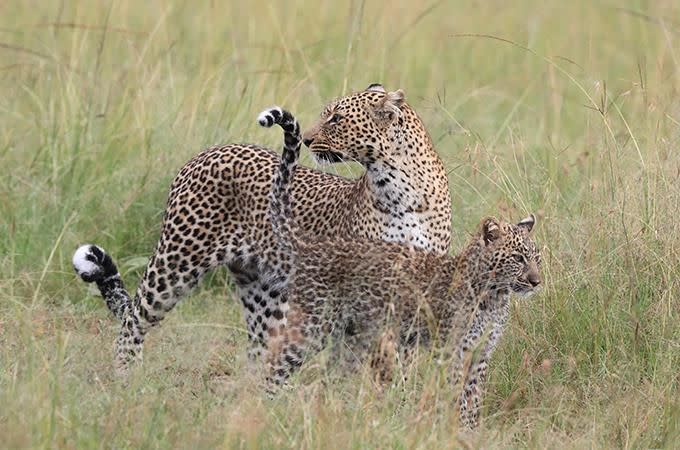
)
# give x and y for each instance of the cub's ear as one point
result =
(376, 87)
(491, 230)
(528, 222)
(389, 108)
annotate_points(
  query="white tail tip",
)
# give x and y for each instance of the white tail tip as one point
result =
(83, 265)
(266, 117)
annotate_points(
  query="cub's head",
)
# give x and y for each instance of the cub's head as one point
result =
(516, 261)
(355, 127)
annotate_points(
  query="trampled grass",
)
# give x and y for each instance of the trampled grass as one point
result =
(567, 109)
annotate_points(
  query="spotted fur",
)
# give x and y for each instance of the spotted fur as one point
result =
(489, 323)
(367, 286)
(217, 213)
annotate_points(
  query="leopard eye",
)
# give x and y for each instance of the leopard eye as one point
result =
(519, 258)
(335, 118)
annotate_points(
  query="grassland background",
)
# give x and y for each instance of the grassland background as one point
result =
(577, 119)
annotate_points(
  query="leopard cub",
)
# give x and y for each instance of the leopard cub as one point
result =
(369, 286)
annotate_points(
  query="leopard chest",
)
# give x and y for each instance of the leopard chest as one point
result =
(410, 228)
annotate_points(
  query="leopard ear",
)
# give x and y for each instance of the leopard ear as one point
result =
(389, 107)
(376, 87)
(491, 230)
(396, 98)
(528, 222)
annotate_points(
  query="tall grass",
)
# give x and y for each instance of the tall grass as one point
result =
(567, 109)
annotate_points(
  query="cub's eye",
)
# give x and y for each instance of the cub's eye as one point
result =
(335, 118)
(519, 258)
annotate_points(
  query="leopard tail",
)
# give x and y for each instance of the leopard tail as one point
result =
(94, 265)
(280, 206)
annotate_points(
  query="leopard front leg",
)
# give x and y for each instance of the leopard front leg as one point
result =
(471, 397)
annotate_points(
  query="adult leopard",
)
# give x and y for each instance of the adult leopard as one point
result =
(218, 213)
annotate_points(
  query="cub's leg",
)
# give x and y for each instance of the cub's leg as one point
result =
(471, 397)
(384, 359)
(290, 345)
(265, 308)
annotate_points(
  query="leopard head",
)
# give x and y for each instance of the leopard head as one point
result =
(516, 261)
(355, 127)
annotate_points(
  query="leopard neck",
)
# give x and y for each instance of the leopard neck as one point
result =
(407, 179)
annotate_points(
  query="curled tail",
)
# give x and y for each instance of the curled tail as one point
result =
(280, 199)
(93, 264)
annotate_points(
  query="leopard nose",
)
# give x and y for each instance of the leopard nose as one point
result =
(533, 279)
(307, 141)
